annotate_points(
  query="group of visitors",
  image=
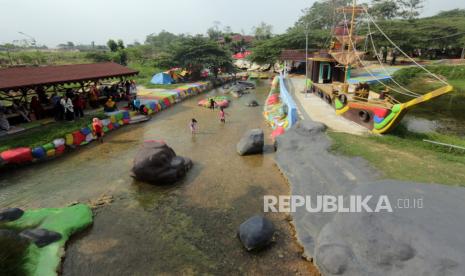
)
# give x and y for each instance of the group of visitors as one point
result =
(193, 124)
(385, 52)
(120, 91)
(68, 106)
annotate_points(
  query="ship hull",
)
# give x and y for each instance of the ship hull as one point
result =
(373, 115)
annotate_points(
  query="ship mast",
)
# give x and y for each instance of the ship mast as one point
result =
(350, 46)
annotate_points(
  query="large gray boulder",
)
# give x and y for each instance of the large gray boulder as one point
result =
(247, 84)
(251, 143)
(41, 237)
(157, 163)
(252, 103)
(256, 232)
(10, 214)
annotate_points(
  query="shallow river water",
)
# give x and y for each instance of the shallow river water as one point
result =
(188, 228)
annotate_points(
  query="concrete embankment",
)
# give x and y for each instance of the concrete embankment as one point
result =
(424, 238)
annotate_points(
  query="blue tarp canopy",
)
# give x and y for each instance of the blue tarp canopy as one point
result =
(161, 78)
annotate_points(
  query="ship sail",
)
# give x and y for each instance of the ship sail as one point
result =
(347, 58)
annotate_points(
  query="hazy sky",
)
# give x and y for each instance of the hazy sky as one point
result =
(52, 22)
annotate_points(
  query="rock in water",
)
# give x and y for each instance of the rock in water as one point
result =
(11, 214)
(246, 84)
(41, 237)
(256, 232)
(157, 163)
(252, 142)
(253, 103)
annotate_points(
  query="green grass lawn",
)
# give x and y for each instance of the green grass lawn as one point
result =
(39, 136)
(146, 73)
(405, 156)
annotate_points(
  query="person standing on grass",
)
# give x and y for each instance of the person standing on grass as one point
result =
(97, 129)
(4, 124)
(93, 96)
(68, 108)
(57, 107)
(384, 52)
(78, 104)
(37, 108)
(133, 89)
(394, 57)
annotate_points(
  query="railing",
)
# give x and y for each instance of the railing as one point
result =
(445, 145)
(288, 101)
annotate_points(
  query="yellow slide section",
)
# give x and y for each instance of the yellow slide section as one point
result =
(428, 96)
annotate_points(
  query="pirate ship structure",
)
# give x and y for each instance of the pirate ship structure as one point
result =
(330, 72)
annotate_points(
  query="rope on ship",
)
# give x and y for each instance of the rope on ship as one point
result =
(413, 94)
(369, 71)
(400, 50)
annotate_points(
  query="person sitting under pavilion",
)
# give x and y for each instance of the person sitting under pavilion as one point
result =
(110, 105)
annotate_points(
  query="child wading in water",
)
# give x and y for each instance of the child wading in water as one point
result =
(222, 115)
(193, 126)
(97, 128)
(212, 103)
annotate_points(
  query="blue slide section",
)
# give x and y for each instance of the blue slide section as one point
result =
(287, 100)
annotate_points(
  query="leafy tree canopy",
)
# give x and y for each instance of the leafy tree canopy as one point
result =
(112, 45)
(196, 53)
(262, 31)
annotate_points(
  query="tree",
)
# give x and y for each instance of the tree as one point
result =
(112, 45)
(262, 31)
(214, 32)
(98, 56)
(268, 51)
(123, 57)
(227, 30)
(227, 39)
(443, 31)
(162, 41)
(9, 47)
(196, 53)
(411, 8)
(322, 14)
(384, 9)
(120, 44)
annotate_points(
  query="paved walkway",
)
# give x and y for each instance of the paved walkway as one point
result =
(312, 107)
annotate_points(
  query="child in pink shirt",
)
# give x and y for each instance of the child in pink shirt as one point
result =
(222, 115)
